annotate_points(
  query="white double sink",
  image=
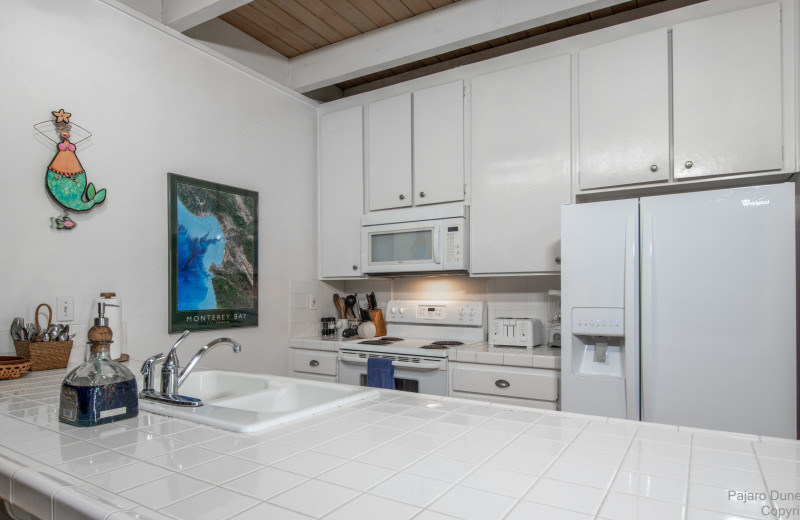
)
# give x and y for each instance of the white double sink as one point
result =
(244, 402)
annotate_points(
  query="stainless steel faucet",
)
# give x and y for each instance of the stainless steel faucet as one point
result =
(171, 375)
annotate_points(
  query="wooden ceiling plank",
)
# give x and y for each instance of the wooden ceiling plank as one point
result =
(418, 6)
(261, 19)
(349, 12)
(290, 24)
(322, 11)
(601, 13)
(536, 31)
(259, 33)
(624, 6)
(396, 9)
(555, 26)
(480, 47)
(430, 60)
(582, 18)
(440, 3)
(374, 12)
(311, 20)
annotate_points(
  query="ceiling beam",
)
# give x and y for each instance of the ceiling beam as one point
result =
(185, 14)
(438, 31)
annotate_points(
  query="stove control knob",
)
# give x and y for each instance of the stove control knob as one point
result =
(470, 311)
(394, 310)
(402, 310)
(462, 311)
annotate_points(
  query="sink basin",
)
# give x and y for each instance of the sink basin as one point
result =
(244, 402)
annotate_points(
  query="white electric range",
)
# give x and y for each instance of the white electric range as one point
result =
(419, 335)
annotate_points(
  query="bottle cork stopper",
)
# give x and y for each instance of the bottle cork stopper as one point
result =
(107, 294)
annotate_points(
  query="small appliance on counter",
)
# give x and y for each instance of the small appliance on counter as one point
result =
(516, 332)
(100, 390)
(554, 315)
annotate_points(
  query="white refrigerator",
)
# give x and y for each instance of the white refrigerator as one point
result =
(680, 309)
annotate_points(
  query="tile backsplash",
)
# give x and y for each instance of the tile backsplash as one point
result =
(517, 297)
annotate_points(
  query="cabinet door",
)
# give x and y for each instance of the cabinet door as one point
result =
(439, 144)
(624, 111)
(520, 167)
(389, 145)
(727, 93)
(341, 187)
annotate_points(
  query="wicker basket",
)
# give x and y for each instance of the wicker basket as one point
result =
(45, 355)
(12, 367)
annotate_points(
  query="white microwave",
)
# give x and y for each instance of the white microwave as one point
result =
(437, 245)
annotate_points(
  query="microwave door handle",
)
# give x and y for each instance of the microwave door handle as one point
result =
(437, 253)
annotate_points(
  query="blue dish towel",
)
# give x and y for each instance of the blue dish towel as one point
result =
(380, 373)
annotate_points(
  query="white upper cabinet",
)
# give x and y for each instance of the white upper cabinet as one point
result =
(623, 93)
(520, 167)
(389, 146)
(439, 144)
(341, 187)
(727, 93)
(430, 172)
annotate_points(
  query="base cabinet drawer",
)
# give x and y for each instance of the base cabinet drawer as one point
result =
(514, 401)
(314, 362)
(525, 383)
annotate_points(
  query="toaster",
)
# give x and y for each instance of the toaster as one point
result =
(516, 332)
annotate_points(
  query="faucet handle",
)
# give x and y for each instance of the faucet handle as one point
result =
(147, 370)
(147, 366)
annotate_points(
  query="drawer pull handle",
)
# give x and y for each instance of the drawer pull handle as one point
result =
(313, 363)
(502, 383)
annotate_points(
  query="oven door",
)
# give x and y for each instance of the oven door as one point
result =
(411, 373)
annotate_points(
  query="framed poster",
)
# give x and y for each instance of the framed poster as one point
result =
(213, 255)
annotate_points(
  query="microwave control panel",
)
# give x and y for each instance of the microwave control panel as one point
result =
(453, 244)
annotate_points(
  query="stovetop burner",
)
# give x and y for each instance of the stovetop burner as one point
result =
(391, 338)
(447, 343)
(375, 342)
(433, 346)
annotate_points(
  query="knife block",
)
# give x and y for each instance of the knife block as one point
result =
(376, 316)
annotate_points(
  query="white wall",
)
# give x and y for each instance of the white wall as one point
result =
(155, 105)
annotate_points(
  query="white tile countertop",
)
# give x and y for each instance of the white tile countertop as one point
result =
(536, 357)
(399, 456)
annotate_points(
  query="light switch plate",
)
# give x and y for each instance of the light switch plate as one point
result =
(65, 308)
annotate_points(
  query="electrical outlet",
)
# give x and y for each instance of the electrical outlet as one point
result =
(65, 308)
(312, 301)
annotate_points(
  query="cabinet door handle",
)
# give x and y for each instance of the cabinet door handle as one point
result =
(313, 363)
(502, 383)
(654, 168)
(355, 267)
(558, 260)
(422, 194)
(689, 164)
(402, 197)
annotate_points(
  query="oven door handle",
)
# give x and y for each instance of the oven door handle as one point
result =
(400, 364)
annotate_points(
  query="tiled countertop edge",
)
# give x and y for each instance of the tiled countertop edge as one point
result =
(46, 492)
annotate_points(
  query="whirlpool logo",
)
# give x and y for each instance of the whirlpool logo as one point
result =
(747, 203)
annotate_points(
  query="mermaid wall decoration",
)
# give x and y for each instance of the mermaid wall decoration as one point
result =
(66, 178)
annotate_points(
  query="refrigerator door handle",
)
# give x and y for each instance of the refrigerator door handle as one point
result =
(631, 302)
(647, 305)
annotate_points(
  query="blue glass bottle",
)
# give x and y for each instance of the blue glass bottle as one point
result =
(100, 390)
